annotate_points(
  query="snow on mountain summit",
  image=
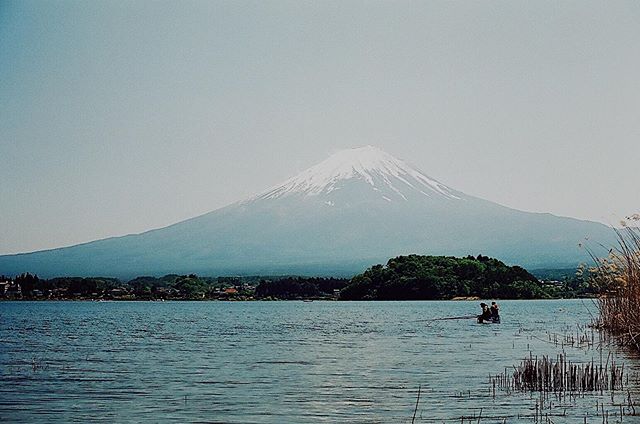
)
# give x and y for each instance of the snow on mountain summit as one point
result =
(369, 164)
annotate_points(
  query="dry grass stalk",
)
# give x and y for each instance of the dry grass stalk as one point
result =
(617, 279)
(561, 375)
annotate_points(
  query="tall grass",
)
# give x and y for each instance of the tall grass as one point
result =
(546, 375)
(617, 278)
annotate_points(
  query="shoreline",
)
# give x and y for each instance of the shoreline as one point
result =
(288, 300)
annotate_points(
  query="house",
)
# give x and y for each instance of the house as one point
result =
(118, 292)
(14, 290)
(4, 287)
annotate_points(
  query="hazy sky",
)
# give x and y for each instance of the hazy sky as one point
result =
(119, 116)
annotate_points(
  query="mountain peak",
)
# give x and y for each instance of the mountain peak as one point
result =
(370, 164)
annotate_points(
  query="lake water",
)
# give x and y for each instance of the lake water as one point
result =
(277, 362)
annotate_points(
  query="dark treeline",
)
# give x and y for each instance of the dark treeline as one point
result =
(416, 277)
(410, 277)
(28, 286)
(172, 286)
(300, 288)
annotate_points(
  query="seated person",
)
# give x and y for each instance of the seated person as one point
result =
(495, 312)
(486, 313)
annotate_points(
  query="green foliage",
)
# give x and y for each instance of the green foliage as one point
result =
(191, 287)
(79, 286)
(566, 282)
(402, 278)
(299, 288)
(28, 282)
(416, 277)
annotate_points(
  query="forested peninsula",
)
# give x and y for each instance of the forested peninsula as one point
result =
(416, 277)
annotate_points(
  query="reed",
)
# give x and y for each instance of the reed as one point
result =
(561, 375)
(617, 279)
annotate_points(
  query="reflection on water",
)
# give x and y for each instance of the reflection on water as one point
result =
(273, 362)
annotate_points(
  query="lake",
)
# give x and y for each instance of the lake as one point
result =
(282, 362)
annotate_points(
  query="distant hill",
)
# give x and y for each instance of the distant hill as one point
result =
(555, 274)
(358, 207)
(417, 277)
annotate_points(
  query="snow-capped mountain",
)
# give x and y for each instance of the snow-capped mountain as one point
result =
(358, 207)
(384, 173)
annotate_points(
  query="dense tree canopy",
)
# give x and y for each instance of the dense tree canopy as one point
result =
(416, 277)
(299, 288)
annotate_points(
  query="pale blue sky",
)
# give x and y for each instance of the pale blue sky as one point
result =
(120, 116)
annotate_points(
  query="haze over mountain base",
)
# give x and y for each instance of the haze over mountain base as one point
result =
(358, 207)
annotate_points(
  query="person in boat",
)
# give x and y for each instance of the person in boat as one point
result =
(495, 312)
(486, 313)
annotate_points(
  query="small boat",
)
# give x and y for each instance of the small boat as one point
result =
(489, 321)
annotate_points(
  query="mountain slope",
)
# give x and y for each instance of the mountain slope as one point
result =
(358, 207)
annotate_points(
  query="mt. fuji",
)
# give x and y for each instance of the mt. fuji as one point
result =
(358, 207)
(380, 170)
